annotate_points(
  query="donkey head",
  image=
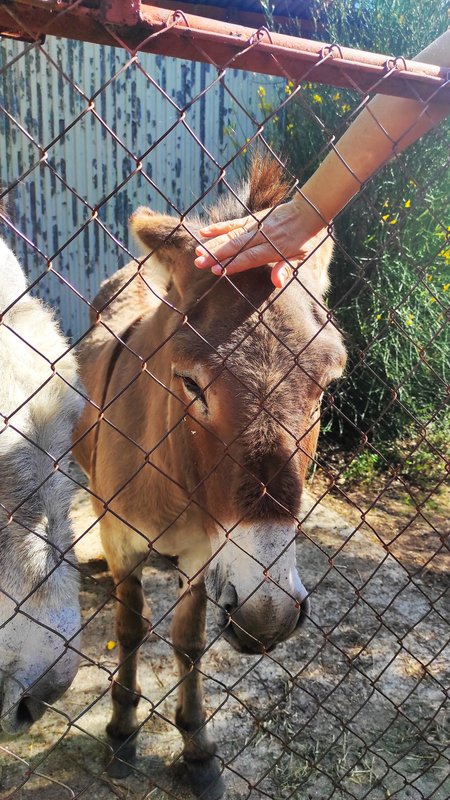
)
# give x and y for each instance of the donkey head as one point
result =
(39, 602)
(247, 367)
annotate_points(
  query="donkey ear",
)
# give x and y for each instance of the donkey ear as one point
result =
(169, 245)
(157, 232)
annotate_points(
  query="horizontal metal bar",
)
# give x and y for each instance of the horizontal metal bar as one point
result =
(140, 26)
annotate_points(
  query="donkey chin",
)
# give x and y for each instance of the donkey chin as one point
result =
(253, 582)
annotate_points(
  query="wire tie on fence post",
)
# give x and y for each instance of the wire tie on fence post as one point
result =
(177, 16)
(392, 63)
(259, 35)
(400, 60)
(329, 51)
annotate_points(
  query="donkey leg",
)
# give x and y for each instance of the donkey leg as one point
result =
(131, 627)
(188, 638)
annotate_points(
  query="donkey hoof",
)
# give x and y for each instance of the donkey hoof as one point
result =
(206, 779)
(123, 758)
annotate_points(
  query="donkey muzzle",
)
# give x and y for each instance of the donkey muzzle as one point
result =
(258, 624)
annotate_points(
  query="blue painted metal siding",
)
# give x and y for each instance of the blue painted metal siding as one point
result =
(72, 117)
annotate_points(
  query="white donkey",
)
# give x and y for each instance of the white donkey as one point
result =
(39, 603)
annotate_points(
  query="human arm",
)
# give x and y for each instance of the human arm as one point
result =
(386, 126)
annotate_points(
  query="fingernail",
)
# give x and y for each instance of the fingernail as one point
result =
(216, 269)
(283, 277)
(200, 261)
(201, 250)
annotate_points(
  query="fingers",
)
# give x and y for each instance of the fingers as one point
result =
(255, 256)
(281, 274)
(219, 228)
(229, 246)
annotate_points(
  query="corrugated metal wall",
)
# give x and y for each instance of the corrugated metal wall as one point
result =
(52, 140)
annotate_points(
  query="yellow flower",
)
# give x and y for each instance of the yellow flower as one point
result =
(386, 203)
(445, 287)
(385, 217)
(337, 96)
(261, 91)
(110, 645)
(408, 204)
(289, 86)
(378, 316)
(317, 98)
(409, 321)
(345, 108)
(290, 126)
(432, 300)
(393, 222)
(429, 278)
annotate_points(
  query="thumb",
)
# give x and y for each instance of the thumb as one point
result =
(281, 274)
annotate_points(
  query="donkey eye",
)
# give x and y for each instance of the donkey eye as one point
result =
(193, 388)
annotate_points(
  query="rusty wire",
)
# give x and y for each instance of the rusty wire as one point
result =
(352, 760)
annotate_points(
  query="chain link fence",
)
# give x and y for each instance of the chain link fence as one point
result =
(204, 393)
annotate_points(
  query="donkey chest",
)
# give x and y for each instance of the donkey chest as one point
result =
(140, 533)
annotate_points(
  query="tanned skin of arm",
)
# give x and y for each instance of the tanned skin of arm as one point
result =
(386, 126)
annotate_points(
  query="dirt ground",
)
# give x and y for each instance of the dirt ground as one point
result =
(352, 708)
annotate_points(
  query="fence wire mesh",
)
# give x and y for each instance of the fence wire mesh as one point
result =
(202, 409)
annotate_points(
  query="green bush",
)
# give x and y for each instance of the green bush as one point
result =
(391, 273)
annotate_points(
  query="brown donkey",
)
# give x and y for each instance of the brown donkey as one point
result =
(203, 415)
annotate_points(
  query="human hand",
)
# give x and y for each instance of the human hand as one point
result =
(273, 236)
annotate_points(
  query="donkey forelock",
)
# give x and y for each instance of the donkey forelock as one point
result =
(265, 186)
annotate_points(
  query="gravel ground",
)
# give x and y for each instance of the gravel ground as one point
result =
(352, 708)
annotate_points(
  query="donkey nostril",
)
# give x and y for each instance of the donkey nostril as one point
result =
(24, 715)
(28, 711)
(228, 601)
(305, 610)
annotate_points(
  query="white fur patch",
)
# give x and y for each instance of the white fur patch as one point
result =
(253, 548)
(40, 404)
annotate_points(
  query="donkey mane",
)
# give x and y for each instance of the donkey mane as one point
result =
(265, 186)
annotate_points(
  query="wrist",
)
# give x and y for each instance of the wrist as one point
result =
(310, 218)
